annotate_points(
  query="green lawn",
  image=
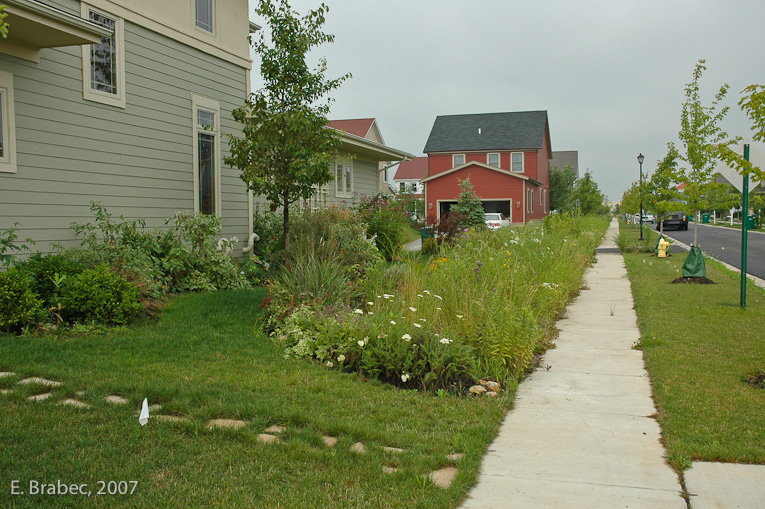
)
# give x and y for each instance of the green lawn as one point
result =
(205, 359)
(698, 345)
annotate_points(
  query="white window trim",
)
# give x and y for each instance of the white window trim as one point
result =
(343, 193)
(499, 160)
(523, 162)
(194, 19)
(8, 161)
(454, 163)
(88, 93)
(212, 106)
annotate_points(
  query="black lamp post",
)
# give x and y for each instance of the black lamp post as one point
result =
(641, 158)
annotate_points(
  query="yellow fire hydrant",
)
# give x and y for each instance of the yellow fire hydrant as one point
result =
(663, 245)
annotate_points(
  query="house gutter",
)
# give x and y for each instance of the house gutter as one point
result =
(52, 13)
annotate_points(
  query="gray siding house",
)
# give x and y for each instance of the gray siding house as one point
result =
(125, 102)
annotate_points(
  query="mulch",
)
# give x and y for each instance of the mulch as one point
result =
(693, 280)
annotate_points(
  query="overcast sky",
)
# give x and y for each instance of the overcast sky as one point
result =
(611, 73)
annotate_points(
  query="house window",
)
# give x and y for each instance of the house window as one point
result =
(7, 124)
(516, 161)
(319, 198)
(457, 160)
(206, 155)
(492, 159)
(402, 187)
(204, 15)
(103, 65)
(343, 178)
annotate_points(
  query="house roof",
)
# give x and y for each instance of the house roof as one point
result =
(415, 169)
(356, 126)
(563, 158)
(488, 131)
(480, 165)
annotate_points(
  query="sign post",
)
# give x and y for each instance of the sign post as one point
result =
(744, 228)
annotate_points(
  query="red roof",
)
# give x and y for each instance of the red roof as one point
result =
(415, 169)
(356, 126)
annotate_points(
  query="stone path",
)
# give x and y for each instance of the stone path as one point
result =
(273, 434)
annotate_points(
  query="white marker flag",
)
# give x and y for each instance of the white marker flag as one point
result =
(144, 417)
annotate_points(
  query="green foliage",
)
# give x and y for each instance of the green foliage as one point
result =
(562, 223)
(8, 237)
(47, 272)
(631, 199)
(18, 305)
(287, 149)
(3, 25)
(587, 197)
(99, 295)
(661, 192)
(561, 187)
(470, 206)
(387, 223)
(414, 208)
(269, 226)
(753, 104)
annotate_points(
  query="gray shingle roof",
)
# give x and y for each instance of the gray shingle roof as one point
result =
(498, 131)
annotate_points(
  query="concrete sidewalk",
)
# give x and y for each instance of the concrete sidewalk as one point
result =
(580, 433)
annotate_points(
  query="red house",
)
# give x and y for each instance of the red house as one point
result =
(506, 155)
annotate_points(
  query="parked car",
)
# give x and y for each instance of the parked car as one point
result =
(676, 220)
(649, 218)
(496, 220)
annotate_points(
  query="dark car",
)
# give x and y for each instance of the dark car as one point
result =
(676, 220)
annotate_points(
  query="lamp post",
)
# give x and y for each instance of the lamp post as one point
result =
(641, 158)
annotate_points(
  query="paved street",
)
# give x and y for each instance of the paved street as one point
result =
(725, 245)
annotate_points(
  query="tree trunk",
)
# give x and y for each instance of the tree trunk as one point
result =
(286, 230)
(695, 226)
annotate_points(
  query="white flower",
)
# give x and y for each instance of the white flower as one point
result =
(412, 309)
(437, 297)
(404, 377)
(426, 291)
(329, 364)
(393, 322)
(360, 343)
(459, 316)
(406, 337)
(358, 311)
(423, 320)
(369, 313)
(341, 358)
(370, 303)
(445, 341)
(438, 309)
(417, 325)
(387, 296)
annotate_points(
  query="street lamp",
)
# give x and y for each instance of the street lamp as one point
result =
(641, 158)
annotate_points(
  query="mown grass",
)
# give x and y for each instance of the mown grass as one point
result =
(202, 360)
(699, 345)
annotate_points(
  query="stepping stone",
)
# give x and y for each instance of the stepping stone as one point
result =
(329, 441)
(393, 449)
(39, 397)
(41, 381)
(74, 402)
(359, 448)
(389, 470)
(226, 423)
(274, 429)
(5, 391)
(443, 478)
(267, 439)
(455, 456)
(116, 400)
(4, 374)
(172, 418)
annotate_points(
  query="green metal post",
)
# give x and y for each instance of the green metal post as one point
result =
(744, 229)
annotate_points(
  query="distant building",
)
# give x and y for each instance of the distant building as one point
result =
(563, 158)
(409, 174)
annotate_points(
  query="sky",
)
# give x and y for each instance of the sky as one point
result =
(610, 73)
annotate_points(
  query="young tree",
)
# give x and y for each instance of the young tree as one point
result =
(661, 190)
(287, 148)
(700, 134)
(561, 186)
(588, 196)
(469, 205)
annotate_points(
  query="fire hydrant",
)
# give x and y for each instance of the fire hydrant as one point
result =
(663, 246)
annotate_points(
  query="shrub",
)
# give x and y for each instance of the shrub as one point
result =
(99, 295)
(387, 223)
(18, 305)
(46, 273)
(470, 206)
(8, 237)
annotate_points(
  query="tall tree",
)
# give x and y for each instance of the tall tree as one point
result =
(469, 205)
(287, 147)
(700, 134)
(753, 104)
(661, 190)
(631, 199)
(561, 186)
(588, 196)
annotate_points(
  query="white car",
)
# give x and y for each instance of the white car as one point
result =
(496, 220)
